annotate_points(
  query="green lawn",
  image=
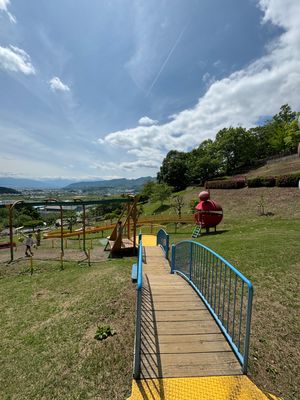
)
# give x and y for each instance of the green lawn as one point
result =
(47, 327)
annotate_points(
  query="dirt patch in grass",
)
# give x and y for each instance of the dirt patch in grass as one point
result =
(47, 253)
(244, 203)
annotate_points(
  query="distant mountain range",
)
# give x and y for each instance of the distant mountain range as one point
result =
(122, 184)
(20, 183)
(67, 184)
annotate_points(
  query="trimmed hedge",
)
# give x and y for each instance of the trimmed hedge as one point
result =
(226, 184)
(289, 180)
(262, 181)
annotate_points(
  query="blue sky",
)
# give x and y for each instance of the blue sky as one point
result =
(104, 89)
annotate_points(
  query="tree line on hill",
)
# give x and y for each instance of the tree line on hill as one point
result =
(234, 150)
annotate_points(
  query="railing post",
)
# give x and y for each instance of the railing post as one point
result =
(137, 349)
(248, 324)
(167, 246)
(137, 344)
(191, 261)
(173, 258)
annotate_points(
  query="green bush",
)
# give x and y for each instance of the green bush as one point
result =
(226, 184)
(290, 180)
(262, 181)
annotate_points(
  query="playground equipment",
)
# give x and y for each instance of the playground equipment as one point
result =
(130, 206)
(208, 214)
(122, 240)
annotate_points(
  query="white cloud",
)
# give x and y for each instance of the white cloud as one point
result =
(239, 99)
(3, 7)
(208, 79)
(147, 121)
(56, 84)
(126, 166)
(17, 60)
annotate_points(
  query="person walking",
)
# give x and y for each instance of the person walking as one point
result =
(28, 244)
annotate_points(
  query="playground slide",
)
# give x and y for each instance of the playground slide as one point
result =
(57, 234)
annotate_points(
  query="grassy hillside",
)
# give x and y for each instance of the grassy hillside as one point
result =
(286, 165)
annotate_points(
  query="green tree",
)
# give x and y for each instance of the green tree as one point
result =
(174, 170)
(161, 193)
(203, 162)
(71, 218)
(102, 210)
(285, 115)
(236, 147)
(147, 191)
(282, 131)
(3, 218)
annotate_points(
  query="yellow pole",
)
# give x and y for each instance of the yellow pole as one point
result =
(52, 244)
(66, 243)
(91, 243)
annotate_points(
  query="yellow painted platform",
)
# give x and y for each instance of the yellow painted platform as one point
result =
(205, 388)
(148, 240)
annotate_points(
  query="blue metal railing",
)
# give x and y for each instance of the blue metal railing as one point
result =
(225, 291)
(138, 314)
(162, 239)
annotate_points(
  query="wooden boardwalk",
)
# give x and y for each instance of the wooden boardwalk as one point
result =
(179, 337)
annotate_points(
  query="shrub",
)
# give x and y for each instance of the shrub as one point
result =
(262, 181)
(290, 180)
(103, 332)
(237, 183)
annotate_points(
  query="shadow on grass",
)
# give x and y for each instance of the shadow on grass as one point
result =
(162, 208)
(214, 233)
(203, 233)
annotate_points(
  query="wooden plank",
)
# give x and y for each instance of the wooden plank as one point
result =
(177, 315)
(167, 284)
(180, 327)
(187, 371)
(206, 359)
(190, 364)
(205, 337)
(171, 299)
(173, 306)
(185, 347)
